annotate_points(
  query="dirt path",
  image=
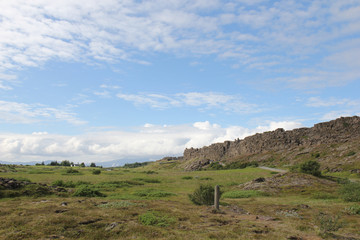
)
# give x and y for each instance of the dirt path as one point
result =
(274, 169)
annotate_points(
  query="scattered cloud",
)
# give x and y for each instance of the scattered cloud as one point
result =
(150, 141)
(250, 33)
(14, 112)
(201, 100)
(318, 102)
(341, 107)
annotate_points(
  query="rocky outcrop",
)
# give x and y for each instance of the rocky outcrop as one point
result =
(340, 130)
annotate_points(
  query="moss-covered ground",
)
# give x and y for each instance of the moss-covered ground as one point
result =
(145, 203)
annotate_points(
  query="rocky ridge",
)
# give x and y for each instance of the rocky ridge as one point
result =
(286, 144)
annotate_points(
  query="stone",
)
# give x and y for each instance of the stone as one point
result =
(337, 131)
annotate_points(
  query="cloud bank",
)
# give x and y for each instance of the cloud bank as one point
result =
(148, 142)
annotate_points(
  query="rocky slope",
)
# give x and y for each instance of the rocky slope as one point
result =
(335, 143)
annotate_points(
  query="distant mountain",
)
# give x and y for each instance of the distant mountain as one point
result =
(113, 163)
(335, 144)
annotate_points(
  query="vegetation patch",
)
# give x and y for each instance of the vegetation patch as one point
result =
(350, 192)
(311, 167)
(154, 218)
(203, 195)
(72, 171)
(323, 195)
(86, 191)
(120, 204)
(153, 193)
(233, 165)
(147, 180)
(353, 210)
(187, 177)
(206, 178)
(96, 171)
(69, 184)
(36, 171)
(244, 194)
(150, 172)
(351, 153)
(328, 223)
(119, 184)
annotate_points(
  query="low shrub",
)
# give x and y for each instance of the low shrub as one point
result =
(350, 192)
(203, 195)
(351, 153)
(86, 191)
(150, 172)
(328, 223)
(153, 218)
(61, 183)
(71, 171)
(244, 194)
(206, 178)
(96, 171)
(353, 210)
(187, 177)
(311, 167)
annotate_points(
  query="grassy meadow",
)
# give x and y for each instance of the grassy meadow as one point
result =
(148, 203)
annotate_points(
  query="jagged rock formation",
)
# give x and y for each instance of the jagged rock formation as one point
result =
(285, 143)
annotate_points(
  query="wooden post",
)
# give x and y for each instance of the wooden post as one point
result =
(217, 197)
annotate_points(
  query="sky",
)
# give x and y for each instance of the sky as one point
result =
(133, 80)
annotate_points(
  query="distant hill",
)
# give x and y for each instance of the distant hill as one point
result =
(335, 144)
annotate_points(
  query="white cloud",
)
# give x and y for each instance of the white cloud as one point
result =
(14, 112)
(150, 141)
(250, 33)
(201, 100)
(318, 102)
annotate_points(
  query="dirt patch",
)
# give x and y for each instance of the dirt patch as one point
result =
(288, 181)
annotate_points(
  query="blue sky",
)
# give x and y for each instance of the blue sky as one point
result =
(139, 80)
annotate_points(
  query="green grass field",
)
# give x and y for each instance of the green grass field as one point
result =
(145, 203)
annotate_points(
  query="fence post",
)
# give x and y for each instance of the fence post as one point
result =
(217, 197)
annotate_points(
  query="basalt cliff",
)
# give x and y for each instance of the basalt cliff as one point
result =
(335, 144)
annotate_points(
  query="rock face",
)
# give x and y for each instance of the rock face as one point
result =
(337, 131)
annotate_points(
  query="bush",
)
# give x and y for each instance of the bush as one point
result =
(350, 192)
(203, 195)
(311, 167)
(150, 172)
(86, 191)
(206, 178)
(353, 210)
(96, 171)
(328, 223)
(72, 171)
(187, 177)
(233, 165)
(61, 183)
(351, 153)
(153, 218)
